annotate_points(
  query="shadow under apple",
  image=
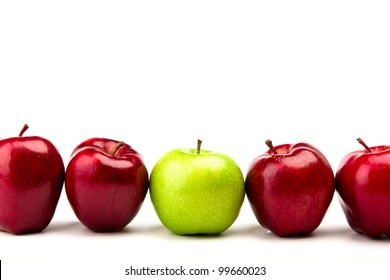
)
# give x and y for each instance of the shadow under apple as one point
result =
(76, 228)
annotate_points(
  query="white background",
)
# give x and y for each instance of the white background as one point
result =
(161, 74)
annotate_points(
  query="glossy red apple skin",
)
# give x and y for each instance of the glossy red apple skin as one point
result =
(290, 191)
(31, 179)
(105, 191)
(363, 186)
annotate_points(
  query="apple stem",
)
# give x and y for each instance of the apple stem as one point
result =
(198, 146)
(364, 145)
(25, 127)
(118, 145)
(270, 146)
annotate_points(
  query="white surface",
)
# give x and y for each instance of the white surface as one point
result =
(159, 75)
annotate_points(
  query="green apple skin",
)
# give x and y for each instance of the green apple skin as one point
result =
(196, 193)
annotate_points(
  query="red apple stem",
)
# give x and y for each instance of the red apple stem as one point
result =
(270, 146)
(364, 145)
(198, 146)
(25, 127)
(118, 145)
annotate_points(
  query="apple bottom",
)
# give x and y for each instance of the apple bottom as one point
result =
(292, 215)
(370, 216)
(107, 209)
(32, 209)
(107, 203)
(198, 219)
(207, 205)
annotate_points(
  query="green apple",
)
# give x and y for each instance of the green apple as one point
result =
(196, 191)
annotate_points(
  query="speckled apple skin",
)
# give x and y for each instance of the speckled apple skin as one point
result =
(196, 193)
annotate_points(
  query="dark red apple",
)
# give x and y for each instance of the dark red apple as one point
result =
(363, 185)
(31, 180)
(106, 183)
(290, 188)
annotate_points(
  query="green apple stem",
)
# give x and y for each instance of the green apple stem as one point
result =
(118, 145)
(198, 146)
(270, 146)
(364, 145)
(25, 127)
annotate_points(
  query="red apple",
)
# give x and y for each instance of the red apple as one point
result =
(363, 185)
(290, 188)
(106, 182)
(31, 180)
